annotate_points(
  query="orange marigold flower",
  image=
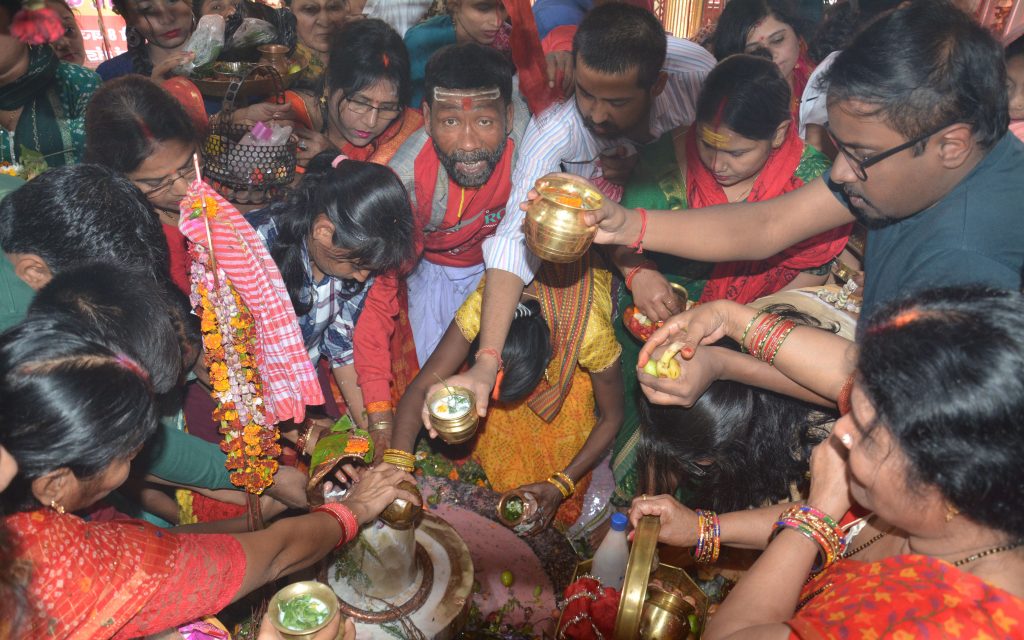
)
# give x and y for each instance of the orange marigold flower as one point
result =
(453, 474)
(357, 445)
(221, 385)
(212, 341)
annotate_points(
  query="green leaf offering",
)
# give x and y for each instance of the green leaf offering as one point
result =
(513, 509)
(303, 613)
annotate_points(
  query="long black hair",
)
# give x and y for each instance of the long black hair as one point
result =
(67, 402)
(364, 52)
(125, 119)
(737, 447)
(368, 207)
(525, 355)
(746, 93)
(944, 372)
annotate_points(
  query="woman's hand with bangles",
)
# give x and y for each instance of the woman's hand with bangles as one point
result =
(549, 499)
(376, 489)
(695, 376)
(678, 523)
(830, 482)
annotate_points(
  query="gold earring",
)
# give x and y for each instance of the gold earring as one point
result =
(951, 512)
(56, 506)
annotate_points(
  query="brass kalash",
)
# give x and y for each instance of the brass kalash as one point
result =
(554, 226)
(652, 606)
(407, 573)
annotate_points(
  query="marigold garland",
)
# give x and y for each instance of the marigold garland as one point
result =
(232, 350)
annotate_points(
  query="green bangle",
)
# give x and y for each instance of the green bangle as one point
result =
(750, 325)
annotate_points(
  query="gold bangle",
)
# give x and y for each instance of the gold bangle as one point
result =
(401, 459)
(382, 425)
(558, 485)
(564, 477)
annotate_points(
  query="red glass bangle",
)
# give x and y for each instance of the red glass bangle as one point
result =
(345, 519)
(638, 245)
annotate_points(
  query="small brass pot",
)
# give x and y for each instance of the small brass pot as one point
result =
(664, 616)
(527, 506)
(275, 55)
(402, 514)
(458, 429)
(318, 590)
(554, 227)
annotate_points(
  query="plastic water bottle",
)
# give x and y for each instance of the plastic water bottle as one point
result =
(609, 564)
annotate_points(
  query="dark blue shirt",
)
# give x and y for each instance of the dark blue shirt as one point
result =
(973, 235)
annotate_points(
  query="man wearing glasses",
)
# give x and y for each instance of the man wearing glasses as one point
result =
(917, 108)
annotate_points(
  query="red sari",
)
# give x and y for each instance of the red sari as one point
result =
(119, 579)
(905, 597)
(747, 281)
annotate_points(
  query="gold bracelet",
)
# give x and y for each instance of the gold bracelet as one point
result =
(401, 459)
(564, 477)
(558, 485)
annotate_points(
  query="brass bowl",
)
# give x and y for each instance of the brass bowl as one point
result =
(554, 227)
(458, 429)
(318, 590)
(665, 615)
(402, 514)
(528, 507)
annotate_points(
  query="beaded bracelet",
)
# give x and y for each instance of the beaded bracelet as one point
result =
(345, 519)
(401, 459)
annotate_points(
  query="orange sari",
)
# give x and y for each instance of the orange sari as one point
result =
(120, 579)
(905, 597)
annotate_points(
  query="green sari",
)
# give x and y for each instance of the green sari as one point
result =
(659, 184)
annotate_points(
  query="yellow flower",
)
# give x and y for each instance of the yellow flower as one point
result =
(212, 341)
(221, 385)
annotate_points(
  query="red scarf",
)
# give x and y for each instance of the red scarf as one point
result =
(459, 240)
(528, 56)
(387, 143)
(744, 282)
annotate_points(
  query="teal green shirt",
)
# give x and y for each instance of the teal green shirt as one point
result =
(15, 295)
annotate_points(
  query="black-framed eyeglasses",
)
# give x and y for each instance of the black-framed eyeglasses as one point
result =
(188, 173)
(860, 165)
(361, 107)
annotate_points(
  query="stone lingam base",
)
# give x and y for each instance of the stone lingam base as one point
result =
(469, 551)
(432, 605)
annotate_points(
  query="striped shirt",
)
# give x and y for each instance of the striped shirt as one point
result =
(559, 136)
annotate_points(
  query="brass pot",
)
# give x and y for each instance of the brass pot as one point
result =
(665, 615)
(402, 514)
(554, 227)
(527, 506)
(275, 55)
(454, 429)
(318, 590)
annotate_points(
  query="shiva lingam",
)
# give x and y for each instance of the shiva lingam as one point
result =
(554, 226)
(409, 571)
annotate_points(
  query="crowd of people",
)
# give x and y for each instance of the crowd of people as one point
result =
(818, 219)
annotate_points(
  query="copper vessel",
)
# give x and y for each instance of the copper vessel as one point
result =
(453, 429)
(402, 514)
(516, 507)
(554, 227)
(665, 615)
(318, 590)
(275, 55)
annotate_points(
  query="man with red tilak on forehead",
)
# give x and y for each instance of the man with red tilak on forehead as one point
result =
(457, 170)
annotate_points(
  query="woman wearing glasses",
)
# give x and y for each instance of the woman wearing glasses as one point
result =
(360, 109)
(137, 129)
